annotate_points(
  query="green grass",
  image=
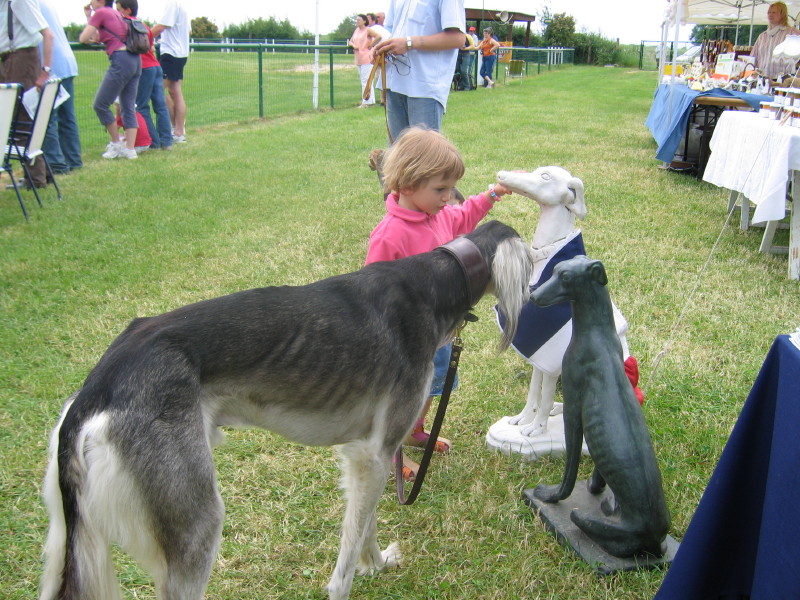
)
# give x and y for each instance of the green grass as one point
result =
(223, 87)
(291, 200)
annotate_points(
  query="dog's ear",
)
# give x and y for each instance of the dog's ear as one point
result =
(598, 272)
(576, 205)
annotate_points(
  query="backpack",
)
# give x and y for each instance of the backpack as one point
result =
(137, 40)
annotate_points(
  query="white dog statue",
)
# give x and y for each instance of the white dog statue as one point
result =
(544, 333)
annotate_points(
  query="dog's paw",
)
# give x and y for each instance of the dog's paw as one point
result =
(389, 558)
(392, 556)
(522, 418)
(548, 493)
(534, 429)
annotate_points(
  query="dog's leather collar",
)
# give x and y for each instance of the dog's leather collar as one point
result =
(472, 264)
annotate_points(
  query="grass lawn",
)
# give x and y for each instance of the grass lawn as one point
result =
(292, 200)
(225, 87)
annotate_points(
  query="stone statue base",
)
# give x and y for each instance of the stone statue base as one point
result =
(507, 439)
(556, 519)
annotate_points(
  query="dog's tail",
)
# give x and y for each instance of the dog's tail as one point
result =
(77, 559)
(512, 271)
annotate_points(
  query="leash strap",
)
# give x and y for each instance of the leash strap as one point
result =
(449, 380)
(380, 63)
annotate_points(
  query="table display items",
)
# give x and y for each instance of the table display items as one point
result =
(544, 333)
(618, 518)
(722, 65)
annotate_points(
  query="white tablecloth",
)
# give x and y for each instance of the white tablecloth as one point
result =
(753, 155)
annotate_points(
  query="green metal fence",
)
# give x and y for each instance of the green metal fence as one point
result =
(243, 81)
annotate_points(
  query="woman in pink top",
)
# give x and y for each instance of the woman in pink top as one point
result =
(362, 40)
(421, 169)
(107, 26)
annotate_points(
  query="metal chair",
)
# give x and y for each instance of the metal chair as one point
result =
(9, 94)
(25, 141)
(515, 70)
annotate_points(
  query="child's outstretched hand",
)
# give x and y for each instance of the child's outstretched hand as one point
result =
(501, 190)
(496, 191)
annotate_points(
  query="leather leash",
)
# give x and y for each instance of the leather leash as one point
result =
(476, 273)
(380, 63)
(449, 380)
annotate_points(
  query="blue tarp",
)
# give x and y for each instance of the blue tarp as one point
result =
(670, 113)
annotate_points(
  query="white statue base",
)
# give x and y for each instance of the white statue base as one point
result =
(509, 440)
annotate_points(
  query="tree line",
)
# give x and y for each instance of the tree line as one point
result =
(559, 30)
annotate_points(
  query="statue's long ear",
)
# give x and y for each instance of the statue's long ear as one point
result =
(577, 204)
(598, 272)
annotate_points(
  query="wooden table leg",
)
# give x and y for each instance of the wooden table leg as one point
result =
(794, 230)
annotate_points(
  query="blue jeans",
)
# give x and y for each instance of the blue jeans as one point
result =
(151, 90)
(62, 143)
(465, 70)
(487, 67)
(403, 111)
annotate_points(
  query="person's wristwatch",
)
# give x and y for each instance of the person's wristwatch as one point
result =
(409, 45)
(46, 69)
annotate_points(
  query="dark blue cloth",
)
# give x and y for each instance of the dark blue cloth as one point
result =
(744, 538)
(537, 324)
(670, 111)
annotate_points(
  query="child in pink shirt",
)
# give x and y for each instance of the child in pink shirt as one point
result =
(421, 169)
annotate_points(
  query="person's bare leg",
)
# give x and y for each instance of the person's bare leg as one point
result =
(177, 106)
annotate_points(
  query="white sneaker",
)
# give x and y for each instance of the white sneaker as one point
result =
(178, 139)
(128, 153)
(112, 149)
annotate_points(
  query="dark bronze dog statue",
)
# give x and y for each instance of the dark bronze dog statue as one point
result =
(599, 404)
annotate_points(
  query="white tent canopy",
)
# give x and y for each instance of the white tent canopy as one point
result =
(718, 12)
(725, 12)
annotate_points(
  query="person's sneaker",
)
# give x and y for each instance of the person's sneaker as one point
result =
(491, 84)
(178, 139)
(112, 150)
(126, 152)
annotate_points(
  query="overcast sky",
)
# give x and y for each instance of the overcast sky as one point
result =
(629, 20)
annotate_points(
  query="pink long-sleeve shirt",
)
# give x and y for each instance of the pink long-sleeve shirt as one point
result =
(403, 232)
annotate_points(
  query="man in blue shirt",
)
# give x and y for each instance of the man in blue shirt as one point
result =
(421, 58)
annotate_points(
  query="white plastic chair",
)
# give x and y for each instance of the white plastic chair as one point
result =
(9, 94)
(25, 143)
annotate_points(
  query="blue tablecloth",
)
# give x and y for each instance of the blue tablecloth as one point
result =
(744, 538)
(670, 113)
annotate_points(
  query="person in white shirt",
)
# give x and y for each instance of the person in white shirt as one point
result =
(174, 27)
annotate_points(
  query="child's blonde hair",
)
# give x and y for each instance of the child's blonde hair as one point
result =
(419, 155)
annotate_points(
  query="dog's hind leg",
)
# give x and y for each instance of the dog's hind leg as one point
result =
(187, 514)
(365, 471)
(373, 559)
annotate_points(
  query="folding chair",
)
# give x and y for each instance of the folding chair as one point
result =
(516, 70)
(9, 93)
(25, 142)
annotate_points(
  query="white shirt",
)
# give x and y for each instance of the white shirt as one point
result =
(27, 23)
(175, 38)
(431, 72)
(64, 64)
(381, 31)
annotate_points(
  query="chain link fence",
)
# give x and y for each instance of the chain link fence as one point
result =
(236, 82)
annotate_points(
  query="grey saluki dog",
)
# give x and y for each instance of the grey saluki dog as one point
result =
(345, 361)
